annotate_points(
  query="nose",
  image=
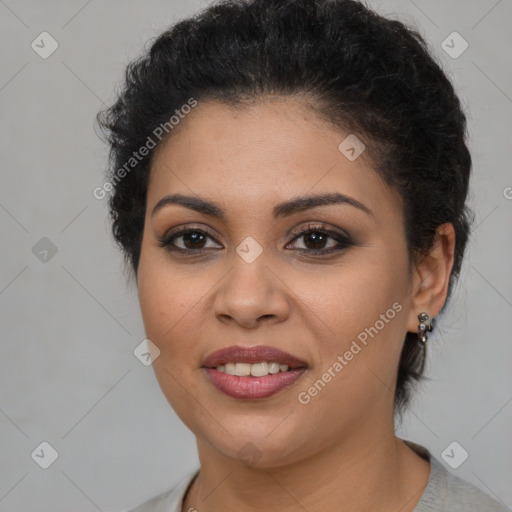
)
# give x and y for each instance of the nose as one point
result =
(252, 294)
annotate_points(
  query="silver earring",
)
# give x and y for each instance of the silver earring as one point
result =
(424, 326)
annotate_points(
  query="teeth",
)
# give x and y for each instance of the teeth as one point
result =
(256, 370)
(229, 368)
(259, 369)
(273, 367)
(243, 369)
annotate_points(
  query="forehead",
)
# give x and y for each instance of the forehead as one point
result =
(260, 153)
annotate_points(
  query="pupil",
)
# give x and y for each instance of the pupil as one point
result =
(317, 239)
(194, 238)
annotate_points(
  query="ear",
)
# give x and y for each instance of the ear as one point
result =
(431, 276)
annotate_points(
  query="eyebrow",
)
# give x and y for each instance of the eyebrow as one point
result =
(284, 209)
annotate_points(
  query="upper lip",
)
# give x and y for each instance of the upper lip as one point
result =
(239, 354)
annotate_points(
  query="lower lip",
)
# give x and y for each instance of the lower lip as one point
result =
(252, 388)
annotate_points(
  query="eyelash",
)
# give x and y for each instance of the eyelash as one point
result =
(343, 240)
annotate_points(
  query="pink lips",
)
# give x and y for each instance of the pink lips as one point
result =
(251, 388)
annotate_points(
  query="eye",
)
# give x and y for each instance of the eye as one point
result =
(192, 240)
(315, 240)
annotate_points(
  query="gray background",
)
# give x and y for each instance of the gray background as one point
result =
(70, 324)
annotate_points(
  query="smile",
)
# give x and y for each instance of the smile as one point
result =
(252, 372)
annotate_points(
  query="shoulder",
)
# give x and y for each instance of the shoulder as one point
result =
(169, 501)
(446, 492)
(465, 497)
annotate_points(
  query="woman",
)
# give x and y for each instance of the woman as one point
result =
(289, 184)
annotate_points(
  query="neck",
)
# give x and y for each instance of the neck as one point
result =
(377, 473)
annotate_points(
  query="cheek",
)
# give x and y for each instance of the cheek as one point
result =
(157, 301)
(360, 314)
(165, 298)
(174, 302)
(356, 297)
(168, 303)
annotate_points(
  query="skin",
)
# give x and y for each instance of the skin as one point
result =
(339, 451)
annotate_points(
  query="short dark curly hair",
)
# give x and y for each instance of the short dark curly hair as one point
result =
(367, 74)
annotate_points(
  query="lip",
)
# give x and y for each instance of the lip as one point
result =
(239, 354)
(252, 388)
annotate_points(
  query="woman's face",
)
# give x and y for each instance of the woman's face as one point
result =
(337, 296)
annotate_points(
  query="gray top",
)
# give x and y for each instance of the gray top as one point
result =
(444, 492)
